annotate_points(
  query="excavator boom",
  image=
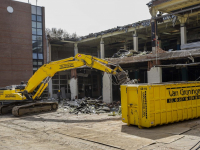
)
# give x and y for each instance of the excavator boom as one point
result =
(44, 74)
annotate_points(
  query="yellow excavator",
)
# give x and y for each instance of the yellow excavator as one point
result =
(26, 99)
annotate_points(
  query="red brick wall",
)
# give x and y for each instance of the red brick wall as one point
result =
(15, 43)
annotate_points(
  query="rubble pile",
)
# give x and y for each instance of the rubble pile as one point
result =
(128, 53)
(90, 106)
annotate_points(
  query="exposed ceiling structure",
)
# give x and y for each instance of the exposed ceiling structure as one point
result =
(168, 29)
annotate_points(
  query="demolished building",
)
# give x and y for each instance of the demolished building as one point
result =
(167, 44)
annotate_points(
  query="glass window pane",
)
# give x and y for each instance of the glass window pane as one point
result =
(63, 81)
(55, 81)
(39, 11)
(39, 18)
(34, 55)
(33, 9)
(39, 43)
(34, 17)
(35, 50)
(34, 45)
(34, 68)
(39, 31)
(40, 56)
(55, 91)
(39, 49)
(63, 77)
(33, 37)
(56, 77)
(39, 38)
(35, 62)
(55, 86)
(33, 24)
(33, 31)
(39, 25)
(40, 62)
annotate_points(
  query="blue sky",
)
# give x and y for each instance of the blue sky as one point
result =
(90, 16)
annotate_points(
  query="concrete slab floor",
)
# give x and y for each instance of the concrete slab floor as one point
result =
(61, 130)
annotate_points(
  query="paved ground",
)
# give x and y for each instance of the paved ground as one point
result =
(60, 130)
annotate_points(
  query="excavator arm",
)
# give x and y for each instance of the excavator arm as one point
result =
(43, 75)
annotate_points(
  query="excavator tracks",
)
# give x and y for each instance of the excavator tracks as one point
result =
(34, 108)
(6, 109)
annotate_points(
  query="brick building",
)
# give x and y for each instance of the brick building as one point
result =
(22, 41)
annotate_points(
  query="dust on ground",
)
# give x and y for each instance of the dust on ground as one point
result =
(61, 130)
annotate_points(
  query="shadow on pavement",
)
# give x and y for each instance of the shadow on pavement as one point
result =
(189, 127)
(31, 118)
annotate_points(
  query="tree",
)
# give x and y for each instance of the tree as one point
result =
(60, 33)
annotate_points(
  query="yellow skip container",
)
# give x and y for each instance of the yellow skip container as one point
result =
(147, 105)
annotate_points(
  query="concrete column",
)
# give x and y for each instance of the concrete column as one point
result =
(74, 81)
(107, 79)
(184, 72)
(50, 91)
(153, 13)
(153, 35)
(98, 51)
(135, 41)
(125, 45)
(48, 52)
(75, 49)
(102, 50)
(107, 88)
(74, 84)
(154, 75)
(183, 34)
(183, 30)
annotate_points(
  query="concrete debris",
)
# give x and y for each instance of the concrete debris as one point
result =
(193, 45)
(128, 53)
(89, 106)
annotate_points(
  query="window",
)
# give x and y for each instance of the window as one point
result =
(39, 31)
(39, 18)
(33, 31)
(39, 49)
(39, 25)
(35, 62)
(37, 41)
(39, 38)
(34, 46)
(39, 11)
(40, 62)
(33, 17)
(40, 56)
(34, 55)
(33, 9)
(34, 37)
(55, 86)
(55, 81)
(33, 24)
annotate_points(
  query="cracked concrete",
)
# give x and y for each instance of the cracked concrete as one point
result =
(60, 130)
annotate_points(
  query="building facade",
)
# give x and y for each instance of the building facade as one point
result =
(22, 41)
(167, 46)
